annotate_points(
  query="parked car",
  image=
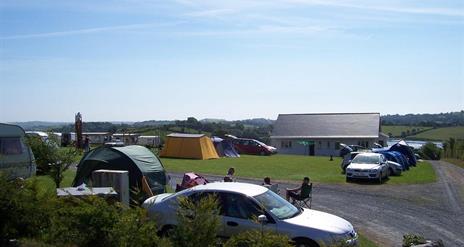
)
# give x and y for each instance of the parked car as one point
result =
(372, 166)
(241, 203)
(252, 146)
(394, 168)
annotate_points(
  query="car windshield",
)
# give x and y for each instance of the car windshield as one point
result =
(277, 205)
(366, 159)
(260, 143)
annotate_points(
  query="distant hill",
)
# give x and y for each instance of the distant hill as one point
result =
(213, 120)
(433, 120)
(40, 125)
(153, 123)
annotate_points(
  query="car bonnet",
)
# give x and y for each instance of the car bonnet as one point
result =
(321, 221)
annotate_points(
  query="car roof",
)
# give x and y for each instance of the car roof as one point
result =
(243, 188)
(370, 154)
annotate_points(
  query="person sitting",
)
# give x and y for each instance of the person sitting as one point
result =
(267, 182)
(304, 191)
(230, 175)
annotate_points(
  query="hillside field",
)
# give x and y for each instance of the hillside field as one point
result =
(442, 134)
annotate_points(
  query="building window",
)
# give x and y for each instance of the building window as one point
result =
(337, 145)
(286, 144)
(319, 145)
(381, 142)
(328, 144)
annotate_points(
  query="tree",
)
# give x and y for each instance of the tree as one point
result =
(51, 160)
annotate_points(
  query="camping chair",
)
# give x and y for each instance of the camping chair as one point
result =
(274, 188)
(305, 202)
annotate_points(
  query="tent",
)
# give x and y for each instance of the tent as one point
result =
(224, 148)
(189, 146)
(406, 150)
(137, 160)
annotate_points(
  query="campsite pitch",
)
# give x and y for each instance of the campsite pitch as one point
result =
(289, 167)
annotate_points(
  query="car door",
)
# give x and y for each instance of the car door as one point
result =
(197, 196)
(240, 213)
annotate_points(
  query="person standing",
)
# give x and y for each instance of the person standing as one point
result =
(86, 144)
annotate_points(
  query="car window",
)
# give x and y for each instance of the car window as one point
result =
(366, 159)
(239, 206)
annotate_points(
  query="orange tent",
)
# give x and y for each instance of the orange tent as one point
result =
(189, 146)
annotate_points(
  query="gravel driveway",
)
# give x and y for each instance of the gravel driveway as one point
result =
(385, 212)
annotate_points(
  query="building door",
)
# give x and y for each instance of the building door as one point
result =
(311, 149)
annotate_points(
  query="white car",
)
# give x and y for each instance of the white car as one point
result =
(240, 203)
(372, 166)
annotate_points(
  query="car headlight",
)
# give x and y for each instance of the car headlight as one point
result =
(373, 170)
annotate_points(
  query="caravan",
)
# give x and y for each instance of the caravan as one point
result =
(16, 158)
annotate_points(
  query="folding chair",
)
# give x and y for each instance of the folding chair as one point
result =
(274, 188)
(305, 202)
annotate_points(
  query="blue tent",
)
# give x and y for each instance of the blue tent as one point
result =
(224, 148)
(395, 157)
(406, 150)
(404, 161)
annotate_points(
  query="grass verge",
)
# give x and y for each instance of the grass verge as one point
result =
(289, 167)
(456, 162)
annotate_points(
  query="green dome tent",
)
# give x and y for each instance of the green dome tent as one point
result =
(137, 160)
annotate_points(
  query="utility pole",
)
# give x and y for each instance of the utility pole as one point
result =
(78, 129)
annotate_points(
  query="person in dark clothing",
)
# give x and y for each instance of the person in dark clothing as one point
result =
(304, 191)
(230, 175)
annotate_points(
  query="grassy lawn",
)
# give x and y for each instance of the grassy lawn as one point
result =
(457, 162)
(46, 183)
(398, 129)
(364, 242)
(442, 134)
(289, 167)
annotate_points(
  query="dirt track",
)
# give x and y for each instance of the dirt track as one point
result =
(385, 212)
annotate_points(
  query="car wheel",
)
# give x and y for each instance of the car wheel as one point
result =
(305, 243)
(380, 178)
(390, 172)
(166, 231)
(348, 179)
(262, 153)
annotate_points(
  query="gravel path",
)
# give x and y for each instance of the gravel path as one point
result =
(384, 213)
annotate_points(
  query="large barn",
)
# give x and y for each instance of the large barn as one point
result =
(322, 133)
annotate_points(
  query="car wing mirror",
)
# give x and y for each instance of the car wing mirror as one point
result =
(262, 219)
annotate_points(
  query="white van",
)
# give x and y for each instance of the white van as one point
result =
(16, 158)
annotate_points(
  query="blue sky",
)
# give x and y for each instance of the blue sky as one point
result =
(136, 60)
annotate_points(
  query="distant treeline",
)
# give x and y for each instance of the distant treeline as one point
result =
(432, 120)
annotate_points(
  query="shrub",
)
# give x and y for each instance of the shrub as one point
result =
(198, 222)
(24, 212)
(255, 239)
(412, 239)
(430, 151)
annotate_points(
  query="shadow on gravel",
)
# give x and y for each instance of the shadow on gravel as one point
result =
(367, 181)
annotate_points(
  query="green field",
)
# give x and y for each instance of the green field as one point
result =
(442, 134)
(46, 184)
(289, 167)
(398, 129)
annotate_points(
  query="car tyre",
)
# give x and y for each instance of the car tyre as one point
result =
(262, 153)
(390, 172)
(305, 243)
(348, 179)
(380, 178)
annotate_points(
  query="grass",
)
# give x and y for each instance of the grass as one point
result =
(442, 134)
(396, 130)
(45, 183)
(456, 162)
(289, 167)
(364, 242)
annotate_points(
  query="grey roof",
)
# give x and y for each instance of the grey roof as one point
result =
(327, 125)
(186, 135)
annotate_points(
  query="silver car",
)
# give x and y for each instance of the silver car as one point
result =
(240, 203)
(372, 166)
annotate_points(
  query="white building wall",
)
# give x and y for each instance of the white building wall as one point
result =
(322, 147)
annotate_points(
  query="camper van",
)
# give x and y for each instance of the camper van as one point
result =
(16, 158)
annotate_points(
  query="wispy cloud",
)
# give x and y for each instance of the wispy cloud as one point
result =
(368, 5)
(87, 31)
(210, 13)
